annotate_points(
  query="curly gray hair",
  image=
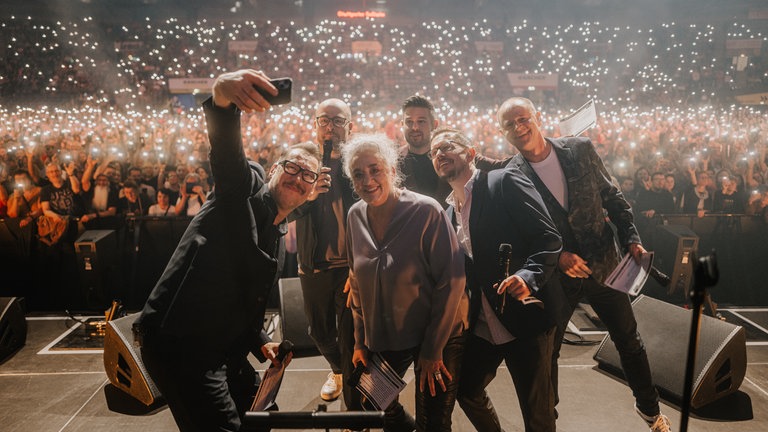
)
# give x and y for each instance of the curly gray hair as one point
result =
(383, 147)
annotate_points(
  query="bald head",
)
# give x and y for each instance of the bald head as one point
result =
(333, 119)
(515, 102)
(520, 124)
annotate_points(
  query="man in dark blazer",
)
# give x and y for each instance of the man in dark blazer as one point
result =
(577, 190)
(489, 209)
(206, 312)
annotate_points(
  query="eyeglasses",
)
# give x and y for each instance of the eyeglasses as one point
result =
(512, 125)
(293, 168)
(445, 147)
(337, 121)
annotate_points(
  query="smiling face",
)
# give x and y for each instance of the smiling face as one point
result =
(521, 126)
(289, 190)
(450, 159)
(372, 179)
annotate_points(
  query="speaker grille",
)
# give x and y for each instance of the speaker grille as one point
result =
(721, 356)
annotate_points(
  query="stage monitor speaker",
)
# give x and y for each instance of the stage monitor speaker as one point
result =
(13, 326)
(97, 264)
(122, 361)
(674, 247)
(293, 320)
(721, 357)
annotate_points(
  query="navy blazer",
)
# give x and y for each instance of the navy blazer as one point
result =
(507, 209)
(591, 194)
(212, 295)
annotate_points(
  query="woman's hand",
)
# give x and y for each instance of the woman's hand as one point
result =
(433, 372)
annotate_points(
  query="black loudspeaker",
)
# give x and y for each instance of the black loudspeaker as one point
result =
(674, 246)
(293, 320)
(13, 326)
(721, 357)
(97, 264)
(122, 361)
(157, 240)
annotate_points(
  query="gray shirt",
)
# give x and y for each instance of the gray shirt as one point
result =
(408, 290)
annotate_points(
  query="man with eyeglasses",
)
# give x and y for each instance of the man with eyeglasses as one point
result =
(206, 312)
(489, 209)
(322, 254)
(418, 123)
(577, 190)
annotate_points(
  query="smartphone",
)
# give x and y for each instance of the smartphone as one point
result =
(284, 86)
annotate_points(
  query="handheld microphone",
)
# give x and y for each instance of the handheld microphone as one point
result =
(327, 149)
(285, 347)
(505, 256)
(661, 278)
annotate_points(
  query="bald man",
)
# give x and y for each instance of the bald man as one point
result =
(577, 191)
(322, 254)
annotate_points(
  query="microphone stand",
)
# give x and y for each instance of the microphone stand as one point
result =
(705, 274)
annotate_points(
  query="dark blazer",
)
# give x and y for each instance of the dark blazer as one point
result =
(213, 293)
(507, 209)
(419, 175)
(590, 195)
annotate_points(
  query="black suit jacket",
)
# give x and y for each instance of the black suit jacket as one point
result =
(591, 195)
(507, 209)
(212, 295)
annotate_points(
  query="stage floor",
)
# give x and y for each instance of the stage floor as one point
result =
(46, 388)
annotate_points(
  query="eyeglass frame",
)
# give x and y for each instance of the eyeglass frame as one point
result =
(332, 121)
(440, 148)
(514, 124)
(299, 172)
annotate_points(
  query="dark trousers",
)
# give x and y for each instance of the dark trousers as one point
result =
(615, 311)
(204, 393)
(331, 325)
(433, 413)
(528, 362)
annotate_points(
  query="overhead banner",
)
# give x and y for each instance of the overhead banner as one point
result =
(750, 47)
(538, 81)
(753, 99)
(489, 46)
(360, 14)
(242, 46)
(190, 85)
(367, 47)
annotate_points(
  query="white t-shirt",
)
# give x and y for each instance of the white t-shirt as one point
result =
(551, 173)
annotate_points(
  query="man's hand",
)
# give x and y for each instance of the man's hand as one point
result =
(636, 250)
(322, 185)
(514, 286)
(238, 88)
(270, 350)
(433, 372)
(360, 356)
(573, 265)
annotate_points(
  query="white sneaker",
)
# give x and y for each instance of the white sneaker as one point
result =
(657, 423)
(332, 387)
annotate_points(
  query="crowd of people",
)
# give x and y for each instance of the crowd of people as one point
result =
(665, 141)
(659, 92)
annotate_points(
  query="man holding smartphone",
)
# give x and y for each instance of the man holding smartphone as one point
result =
(206, 312)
